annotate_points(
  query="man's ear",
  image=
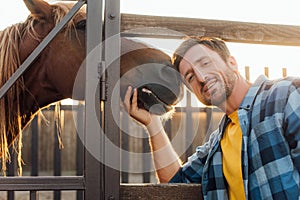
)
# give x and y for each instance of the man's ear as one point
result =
(39, 9)
(232, 63)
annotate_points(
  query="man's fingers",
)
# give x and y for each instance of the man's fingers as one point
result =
(134, 99)
(127, 98)
(132, 109)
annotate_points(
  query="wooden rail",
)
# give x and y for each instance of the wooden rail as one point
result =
(160, 191)
(233, 31)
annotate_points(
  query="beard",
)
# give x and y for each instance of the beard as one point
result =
(221, 89)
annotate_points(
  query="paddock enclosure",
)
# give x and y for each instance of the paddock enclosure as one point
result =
(76, 173)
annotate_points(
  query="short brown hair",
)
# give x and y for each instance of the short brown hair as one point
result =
(213, 43)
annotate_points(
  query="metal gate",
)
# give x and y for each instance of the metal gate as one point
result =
(98, 180)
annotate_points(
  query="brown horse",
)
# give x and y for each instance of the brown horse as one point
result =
(50, 78)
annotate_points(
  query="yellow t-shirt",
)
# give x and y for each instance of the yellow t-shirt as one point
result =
(231, 144)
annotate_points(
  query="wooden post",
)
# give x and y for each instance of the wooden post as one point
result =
(284, 72)
(247, 73)
(267, 71)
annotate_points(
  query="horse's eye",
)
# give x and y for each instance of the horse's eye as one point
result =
(81, 25)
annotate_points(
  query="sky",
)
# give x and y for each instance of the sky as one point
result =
(255, 56)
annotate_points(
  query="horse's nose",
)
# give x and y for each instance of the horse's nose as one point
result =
(162, 82)
(172, 80)
(169, 74)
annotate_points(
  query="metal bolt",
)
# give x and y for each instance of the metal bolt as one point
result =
(111, 198)
(112, 16)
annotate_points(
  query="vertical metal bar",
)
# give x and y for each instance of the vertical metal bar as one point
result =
(79, 149)
(10, 195)
(189, 126)
(209, 122)
(34, 195)
(57, 154)
(57, 160)
(93, 179)
(11, 166)
(34, 146)
(125, 147)
(11, 172)
(146, 159)
(112, 58)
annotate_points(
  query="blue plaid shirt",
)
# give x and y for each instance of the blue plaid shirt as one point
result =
(270, 121)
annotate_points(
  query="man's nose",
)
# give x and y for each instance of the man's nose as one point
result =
(199, 75)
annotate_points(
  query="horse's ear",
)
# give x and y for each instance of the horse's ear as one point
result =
(39, 9)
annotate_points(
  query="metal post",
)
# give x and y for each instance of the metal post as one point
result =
(189, 127)
(146, 159)
(93, 167)
(34, 195)
(112, 131)
(34, 146)
(11, 172)
(125, 146)
(79, 149)
(57, 159)
(102, 182)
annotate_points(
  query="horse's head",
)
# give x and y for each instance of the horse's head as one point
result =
(57, 67)
(150, 71)
(50, 78)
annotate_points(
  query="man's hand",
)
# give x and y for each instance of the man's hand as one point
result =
(133, 110)
(151, 121)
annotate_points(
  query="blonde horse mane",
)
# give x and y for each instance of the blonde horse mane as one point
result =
(10, 117)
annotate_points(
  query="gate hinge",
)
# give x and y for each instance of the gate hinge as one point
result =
(103, 80)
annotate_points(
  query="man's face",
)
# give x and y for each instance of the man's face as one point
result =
(208, 75)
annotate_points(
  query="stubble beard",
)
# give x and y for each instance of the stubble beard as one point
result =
(223, 91)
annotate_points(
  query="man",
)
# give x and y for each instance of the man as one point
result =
(255, 153)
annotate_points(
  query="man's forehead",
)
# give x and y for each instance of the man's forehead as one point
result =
(197, 51)
(194, 54)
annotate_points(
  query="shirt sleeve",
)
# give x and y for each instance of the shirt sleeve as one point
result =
(292, 122)
(192, 170)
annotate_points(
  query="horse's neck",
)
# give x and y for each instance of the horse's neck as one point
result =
(38, 94)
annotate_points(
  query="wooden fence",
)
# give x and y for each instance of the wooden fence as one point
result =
(43, 157)
(43, 127)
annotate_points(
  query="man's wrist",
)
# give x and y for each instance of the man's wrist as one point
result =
(155, 126)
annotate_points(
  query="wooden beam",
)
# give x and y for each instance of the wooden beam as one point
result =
(232, 31)
(161, 191)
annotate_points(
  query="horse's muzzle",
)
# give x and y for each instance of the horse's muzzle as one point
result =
(159, 87)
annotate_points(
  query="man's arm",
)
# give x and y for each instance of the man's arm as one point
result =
(292, 119)
(166, 160)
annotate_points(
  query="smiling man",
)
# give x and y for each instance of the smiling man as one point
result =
(255, 152)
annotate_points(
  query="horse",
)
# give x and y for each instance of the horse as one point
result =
(50, 78)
